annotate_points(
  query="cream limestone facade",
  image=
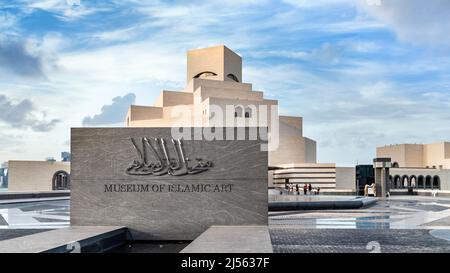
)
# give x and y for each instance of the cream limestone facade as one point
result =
(421, 179)
(325, 176)
(29, 176)
(436, 155)
(423, 167)
(216, 96)
(321, 176)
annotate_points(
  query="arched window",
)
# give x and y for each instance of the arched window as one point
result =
(397, 182)
(238, 111)
(395, 165)
(61, 181)
(405, 181)
(420, 182)
(248, 112)
(232, 77)
(436, 183)
(413, 181)
(428, 182)
(205, 74)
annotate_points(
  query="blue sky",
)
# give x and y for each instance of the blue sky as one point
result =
(362, 73)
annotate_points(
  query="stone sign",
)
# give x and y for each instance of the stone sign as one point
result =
(163, 188)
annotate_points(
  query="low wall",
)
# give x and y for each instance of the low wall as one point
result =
(32, 195)
(346, 178)
(439, 193)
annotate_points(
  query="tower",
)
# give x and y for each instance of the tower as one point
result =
(214, 63)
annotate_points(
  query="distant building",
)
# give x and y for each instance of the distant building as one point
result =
(434, 156)
(26, 176)
(423, 167)
(47, 175)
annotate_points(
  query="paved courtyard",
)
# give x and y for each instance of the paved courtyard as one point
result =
(22, 219)
(401, 224)
(35, 215)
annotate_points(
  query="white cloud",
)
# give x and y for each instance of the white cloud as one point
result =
(375, 91)
(67, 10)
(415, 21)
(111, 113)
(127, 63)
(355, 112)
(7, 20)
(318, 3)
(23, 114)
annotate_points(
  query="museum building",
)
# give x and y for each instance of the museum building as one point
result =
(214, 81)
(38, 176)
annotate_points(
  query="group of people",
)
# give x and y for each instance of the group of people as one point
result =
(307, 189)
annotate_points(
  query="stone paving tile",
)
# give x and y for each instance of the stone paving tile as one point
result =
(3, 221)
(35, 215)
(441, 222)
(354, 249)
(48, 220)
(38, 207)
(355, 240)
(6, 234)
(429, 207)
(58, 214)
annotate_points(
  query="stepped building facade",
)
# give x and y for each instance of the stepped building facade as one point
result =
(216, 96)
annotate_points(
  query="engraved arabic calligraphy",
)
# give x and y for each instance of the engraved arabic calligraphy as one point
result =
(163, 164)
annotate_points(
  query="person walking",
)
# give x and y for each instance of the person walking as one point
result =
(318, 190)
(297, 189)
(305, 189)
(309, 188)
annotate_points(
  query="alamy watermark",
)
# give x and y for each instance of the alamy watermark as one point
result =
(373, 247)
(227, 122)
(73, 247)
